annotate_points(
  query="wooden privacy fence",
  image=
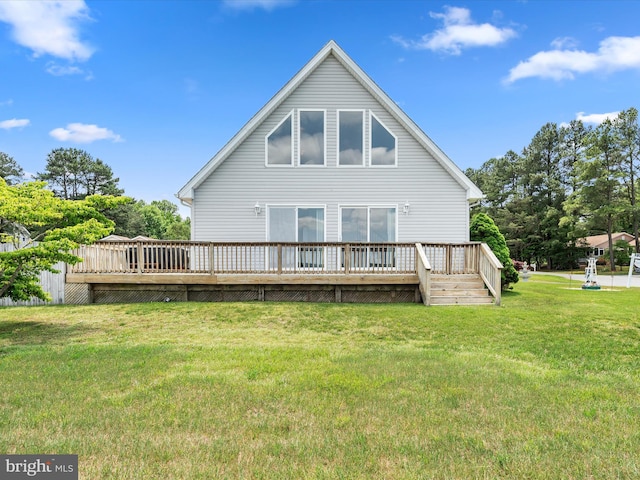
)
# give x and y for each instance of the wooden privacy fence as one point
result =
(53, 283)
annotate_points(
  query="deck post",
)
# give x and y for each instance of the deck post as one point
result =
(211, 270)
(347, 258)
(140, 259)
(423, 269)
(279, 258)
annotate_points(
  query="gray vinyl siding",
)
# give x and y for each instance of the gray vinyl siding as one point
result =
(223, 204)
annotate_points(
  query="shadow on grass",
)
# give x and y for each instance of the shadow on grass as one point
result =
(38, 333)
(510, 293)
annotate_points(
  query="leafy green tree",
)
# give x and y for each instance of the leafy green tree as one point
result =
(128, 220)
(573, 146)
(544, 188)
(484, 229)
(621, 252)
(44, 230)
(73, 174)
(628, 130)
(10, 170)
(599, 203)
(180, 230)
(164, 222)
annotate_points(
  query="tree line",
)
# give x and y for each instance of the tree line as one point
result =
(570, 182)
(73, 174)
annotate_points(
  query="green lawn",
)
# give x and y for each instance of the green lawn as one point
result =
(546, 386)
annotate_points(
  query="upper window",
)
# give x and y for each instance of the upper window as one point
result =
(280, 143)
(312, 139)
(384, 151)
(350, 138)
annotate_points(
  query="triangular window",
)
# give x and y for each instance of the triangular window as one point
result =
(279, 143)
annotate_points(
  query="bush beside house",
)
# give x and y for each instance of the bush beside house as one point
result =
(484, 229)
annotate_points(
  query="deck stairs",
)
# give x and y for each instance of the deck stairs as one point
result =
(460, 289)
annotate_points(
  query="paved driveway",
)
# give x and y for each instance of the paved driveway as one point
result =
(603, 280)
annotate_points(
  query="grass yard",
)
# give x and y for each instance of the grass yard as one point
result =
(546, 386)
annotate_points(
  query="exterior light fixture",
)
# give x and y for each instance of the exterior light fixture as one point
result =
(405, 208)
(257, 209)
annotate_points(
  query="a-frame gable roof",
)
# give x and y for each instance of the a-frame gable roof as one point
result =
(331, 48)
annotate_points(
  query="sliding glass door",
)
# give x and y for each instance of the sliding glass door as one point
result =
(371, 225)
(297, 225)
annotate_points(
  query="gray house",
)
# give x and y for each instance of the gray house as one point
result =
(330, 158)
(330, 193)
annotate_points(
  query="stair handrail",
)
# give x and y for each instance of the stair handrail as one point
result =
(491, 271)
(423, 269)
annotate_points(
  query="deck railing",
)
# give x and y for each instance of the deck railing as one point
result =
(326, 258)
(246, 258)
(453, 258)
(490, 269)
(423, 269)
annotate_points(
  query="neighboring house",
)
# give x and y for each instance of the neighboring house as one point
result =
(330, 158)
(598, 244)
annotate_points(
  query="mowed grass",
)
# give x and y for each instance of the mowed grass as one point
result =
(545, 386)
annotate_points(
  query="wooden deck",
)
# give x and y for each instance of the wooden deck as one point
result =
(212, 267)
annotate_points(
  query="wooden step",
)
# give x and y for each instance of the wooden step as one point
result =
(461, 300)
(475, 292)
(465, 289)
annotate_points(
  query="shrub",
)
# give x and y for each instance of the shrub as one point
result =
(484, 229)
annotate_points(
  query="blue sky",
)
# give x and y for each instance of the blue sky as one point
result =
(156, 88)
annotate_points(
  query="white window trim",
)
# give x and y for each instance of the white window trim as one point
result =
(368, 207)
(395, 164)
(324, 137)
(297, 207)
(266, 143)
(364, 130)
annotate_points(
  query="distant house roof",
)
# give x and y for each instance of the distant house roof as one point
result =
(114, 238)
(473, 192)
(602, 241)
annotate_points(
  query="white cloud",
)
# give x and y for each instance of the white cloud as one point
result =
(593, 118)
(614, 53)
(58, 70)
(564, 43)
(6, 103)
(596, 118)
(14, 123)
(48, 27)
(252, 4)
(459, 32)
(83, 133)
